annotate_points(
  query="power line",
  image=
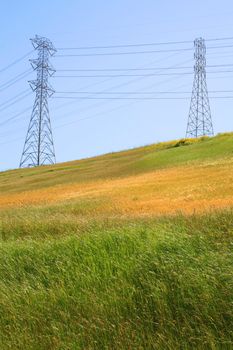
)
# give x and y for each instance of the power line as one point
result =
(120, 69)
(137, 75)
(219, 39)
(137, 69)
(120, 98)
(223, 97)
(14, 140)
(15, 116)
(139, 95)
(13, 98)
(90, 117)
(124, 53)
(120, 75)
(130, 98)
(138, 52)
(136, 92)
(115, 108)
(125, 45)
(219, 65)
(141, 78)
(129, 82)
(124, 84)
(101, 114)
(16, 61)
(139, 45)
(218, 47)
(14, 80)
(137, 79)
(98, 114)
(123, 92)
(16, 101)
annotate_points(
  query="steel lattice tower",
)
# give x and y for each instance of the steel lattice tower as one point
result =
(39, 147)
(199, 120)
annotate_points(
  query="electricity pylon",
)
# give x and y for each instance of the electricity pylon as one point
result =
(39, 147)
(199, 120)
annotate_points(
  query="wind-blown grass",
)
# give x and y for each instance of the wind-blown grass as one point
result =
(148, 284)
(122, 251)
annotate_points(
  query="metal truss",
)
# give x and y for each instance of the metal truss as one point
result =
(39, 147)
(199, 120)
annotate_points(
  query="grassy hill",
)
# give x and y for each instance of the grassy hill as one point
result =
(130, 250)
(162, 178)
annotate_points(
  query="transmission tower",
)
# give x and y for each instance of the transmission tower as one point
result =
(199, 120)
(39, 147)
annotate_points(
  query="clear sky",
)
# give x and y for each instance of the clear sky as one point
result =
(84, 128)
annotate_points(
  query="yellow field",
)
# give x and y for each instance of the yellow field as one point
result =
(93, 255)
(186, 188)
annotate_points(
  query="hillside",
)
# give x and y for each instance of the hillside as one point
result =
(163, 178)
(130, 250)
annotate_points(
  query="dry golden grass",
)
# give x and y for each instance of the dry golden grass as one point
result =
(185, 188)
(87, 263)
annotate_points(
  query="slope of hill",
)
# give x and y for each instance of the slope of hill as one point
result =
(162, 178)
(130, 250)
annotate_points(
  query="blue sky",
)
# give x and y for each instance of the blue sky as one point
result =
(84, 128)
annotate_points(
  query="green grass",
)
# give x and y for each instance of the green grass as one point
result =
(73, 277)
(120, 164)
(163, 283)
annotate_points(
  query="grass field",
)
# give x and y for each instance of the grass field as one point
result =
(130, 250)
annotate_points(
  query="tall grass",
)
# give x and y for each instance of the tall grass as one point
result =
(96, 270)
(163, 283)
